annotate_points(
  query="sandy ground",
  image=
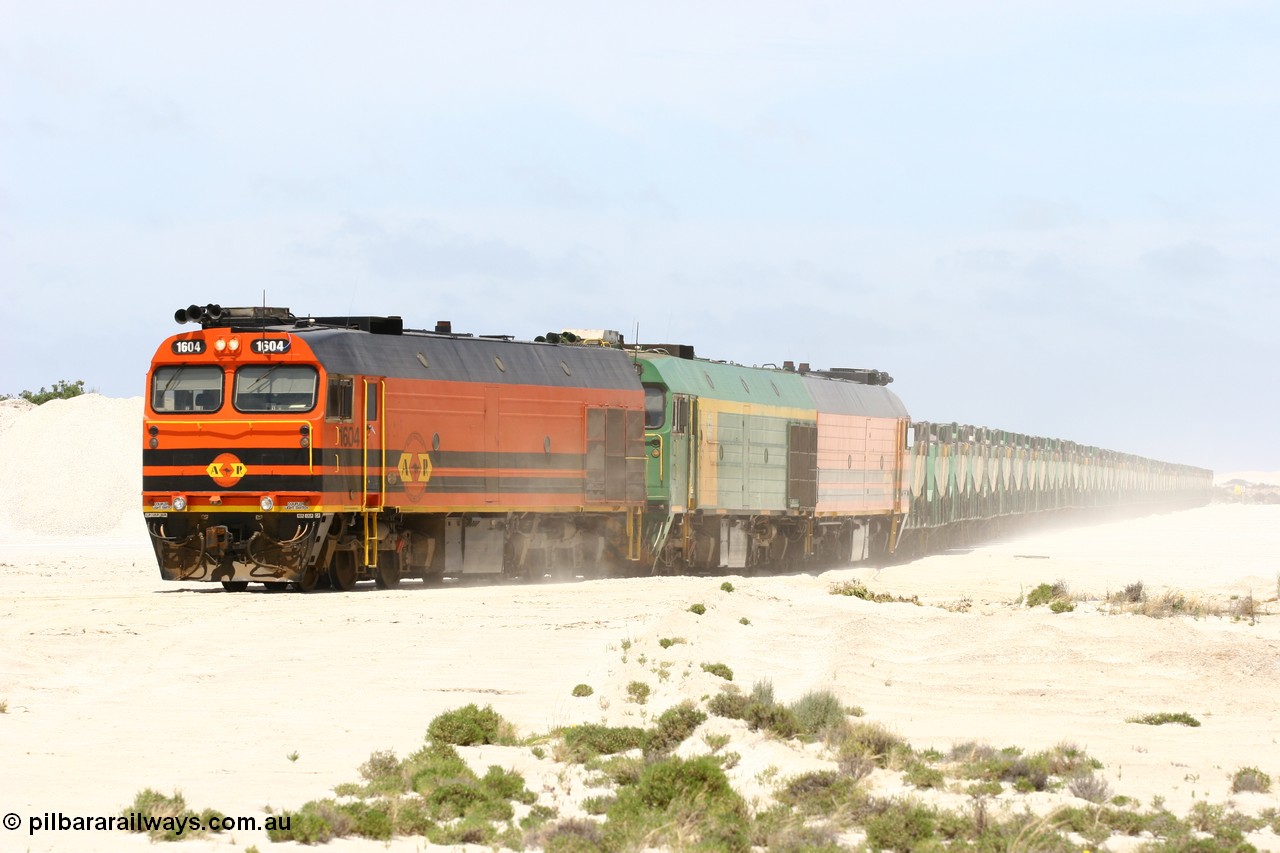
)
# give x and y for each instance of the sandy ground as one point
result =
(115, 681)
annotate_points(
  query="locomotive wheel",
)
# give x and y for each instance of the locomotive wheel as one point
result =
(276, 586)
(235, 586)
(388, 576)
(342, 572)
(310, 577)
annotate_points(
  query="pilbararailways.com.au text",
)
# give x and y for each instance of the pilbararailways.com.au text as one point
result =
(138, 822)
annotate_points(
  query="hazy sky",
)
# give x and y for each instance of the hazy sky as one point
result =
(1060, 218)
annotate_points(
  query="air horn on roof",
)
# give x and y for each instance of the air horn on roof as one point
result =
(196, 314)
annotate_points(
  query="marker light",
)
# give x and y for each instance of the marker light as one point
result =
(179, 503)
(266, 503)
(220, 344)
(235, 344)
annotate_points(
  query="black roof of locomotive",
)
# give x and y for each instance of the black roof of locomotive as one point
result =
(463, 358)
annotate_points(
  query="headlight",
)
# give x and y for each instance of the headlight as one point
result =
(179, 503)
(266, 503)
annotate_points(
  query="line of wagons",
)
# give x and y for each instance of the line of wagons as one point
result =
(328, 450)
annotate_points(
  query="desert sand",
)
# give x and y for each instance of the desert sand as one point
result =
(115, 681)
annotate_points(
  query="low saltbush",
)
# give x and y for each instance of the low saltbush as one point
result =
(471, 725)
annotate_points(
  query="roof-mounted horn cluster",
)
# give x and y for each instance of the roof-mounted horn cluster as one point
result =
(215, 315)
(195, 314)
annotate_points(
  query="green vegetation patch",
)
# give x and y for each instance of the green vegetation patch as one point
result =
(431, 793)
(168, 818)
(586, 741)
(1160, 719)
(859, 590)
(674, 726)
(62, 390)
(718, 669)
(1250, 779)
(679, 804)
(1055, 595)
(471, 725)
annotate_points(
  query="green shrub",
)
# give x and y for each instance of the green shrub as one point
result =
(673, 728)
(1250, 779)
(1181, 717)
(434, 765)
(759, 710)
(668, 642)
(699, 609)
(923, 776)
(470, 725)
(581, 690)
(901, 827)
(778, 719)
(762, 692)
(858, 590)
(726, 586)
(638, 692)
(718, 669)
(1047, 593)
(588, 740)
(506, 785)
(821, 793)
(169, 816)
(317, 822)
(679, 803)
(817, 712)
(872, 740)
(729, 702)
(621, 769)
(744, 621)
(1059, 605)
(383, 773)
(852, 588)
(1089, 786)
(455, 800)
(62, 390)
(369, 820)
(572, 835)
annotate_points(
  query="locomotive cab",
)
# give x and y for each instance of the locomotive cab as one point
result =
(230, 468)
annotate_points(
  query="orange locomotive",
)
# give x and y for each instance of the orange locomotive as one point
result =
(293, 450)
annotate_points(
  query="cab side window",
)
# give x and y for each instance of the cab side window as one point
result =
(339, 400)
(655, 407)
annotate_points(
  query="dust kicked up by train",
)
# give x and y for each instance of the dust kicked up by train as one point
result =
(300, 450)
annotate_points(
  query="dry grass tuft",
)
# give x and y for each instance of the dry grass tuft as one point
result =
(1166, 604)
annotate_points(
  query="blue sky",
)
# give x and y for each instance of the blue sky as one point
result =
(1060, 218)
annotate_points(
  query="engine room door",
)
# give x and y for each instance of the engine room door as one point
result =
(678, 455)
(374, 442)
